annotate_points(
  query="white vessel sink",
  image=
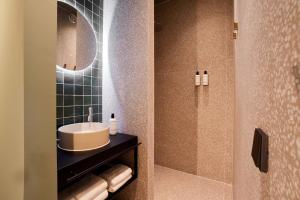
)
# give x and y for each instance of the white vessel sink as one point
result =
(83, 136)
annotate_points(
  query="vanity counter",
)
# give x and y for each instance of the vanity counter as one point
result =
(71, 166)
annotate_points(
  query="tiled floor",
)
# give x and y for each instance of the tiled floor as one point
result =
(176, 185)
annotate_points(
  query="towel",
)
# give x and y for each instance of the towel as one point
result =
(90, 188)
(86, 189)
(116, 174)
(102, 196)
(113, 188)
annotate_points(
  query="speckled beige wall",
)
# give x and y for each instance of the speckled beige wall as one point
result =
(268, 96)
(128, 81)
(194, 127)
(175, 103)
(216, 102)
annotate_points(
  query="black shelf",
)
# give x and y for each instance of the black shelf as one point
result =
(72, 166)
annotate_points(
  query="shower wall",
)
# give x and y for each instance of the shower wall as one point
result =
(175, 105)
(194, 126)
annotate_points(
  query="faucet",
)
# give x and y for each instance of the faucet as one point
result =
(90, 117)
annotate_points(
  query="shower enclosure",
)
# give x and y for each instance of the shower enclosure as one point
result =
(194, 125)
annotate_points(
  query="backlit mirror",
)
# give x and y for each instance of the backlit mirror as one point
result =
(76, 39)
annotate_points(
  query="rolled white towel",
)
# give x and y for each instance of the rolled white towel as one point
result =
(116, 174)
(102, 196)
(114, 188)
(91, 188)
(86, 189)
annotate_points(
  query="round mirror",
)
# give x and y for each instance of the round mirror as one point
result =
(76, 39)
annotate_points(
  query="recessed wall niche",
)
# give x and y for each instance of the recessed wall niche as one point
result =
(76, 91)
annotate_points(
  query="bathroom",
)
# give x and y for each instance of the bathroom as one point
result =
(192, 99)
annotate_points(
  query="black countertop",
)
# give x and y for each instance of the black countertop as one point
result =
(117, 143)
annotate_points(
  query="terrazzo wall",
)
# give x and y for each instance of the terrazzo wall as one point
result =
(194, 126)
(175, 94)
(268, 96)
(128, 72)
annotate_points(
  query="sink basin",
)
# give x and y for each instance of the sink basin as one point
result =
(83, 136)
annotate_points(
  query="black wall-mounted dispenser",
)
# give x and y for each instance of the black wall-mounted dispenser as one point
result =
(260, 150)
